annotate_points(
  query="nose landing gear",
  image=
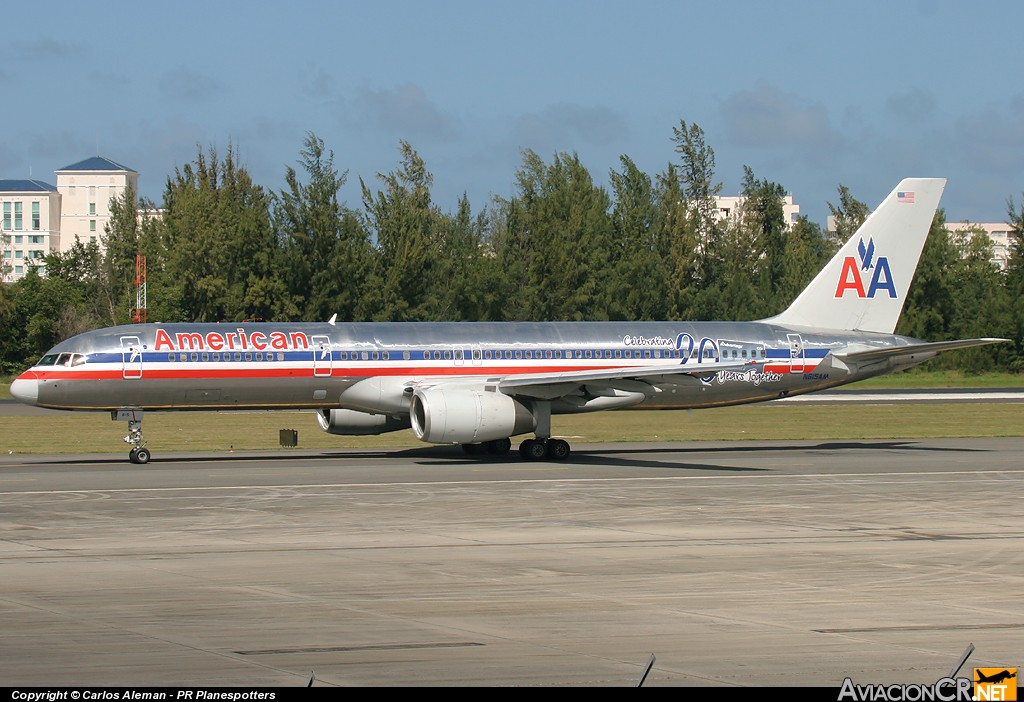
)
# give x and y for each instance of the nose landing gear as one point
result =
(139, 453)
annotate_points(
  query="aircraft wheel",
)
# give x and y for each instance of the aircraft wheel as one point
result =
(558, 449)
(499, 446)
(142, 455)
(472, 449)
(133, 455)
(533, 449)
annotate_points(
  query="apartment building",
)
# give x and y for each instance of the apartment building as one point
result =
(86, 189)
(31, 225)
(40, 218)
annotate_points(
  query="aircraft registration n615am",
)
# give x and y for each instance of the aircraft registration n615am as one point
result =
(479, 384)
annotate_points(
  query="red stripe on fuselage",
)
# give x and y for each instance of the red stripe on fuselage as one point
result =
(308, 372)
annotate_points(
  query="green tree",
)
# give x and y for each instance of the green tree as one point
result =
(559, 222)
(639, 264)
(849, 214)
(763, 219)
(701, 298)
(405, 223)
(929, 308)
(510, 242)
(219, 240)
(1013, 285)
(683, 240)
(47, 310)
(979, 308)
(326, 250)
(807, 252)
(468, 282)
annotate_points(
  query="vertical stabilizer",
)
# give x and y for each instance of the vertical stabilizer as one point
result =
(864, 286)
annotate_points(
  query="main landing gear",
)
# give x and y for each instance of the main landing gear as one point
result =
(544, 446)
(537, 449)
(530, 449)
(139, 453)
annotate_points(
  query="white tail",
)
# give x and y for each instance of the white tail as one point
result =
(864, 286)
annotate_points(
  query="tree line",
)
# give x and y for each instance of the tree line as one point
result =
(561, 247)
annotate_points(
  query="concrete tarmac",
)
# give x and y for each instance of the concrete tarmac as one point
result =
(735, 564)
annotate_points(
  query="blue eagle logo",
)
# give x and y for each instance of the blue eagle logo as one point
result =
(867, 254)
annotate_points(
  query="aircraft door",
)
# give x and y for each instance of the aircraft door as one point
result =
(323, 360)
(131, 357)
(797, 356)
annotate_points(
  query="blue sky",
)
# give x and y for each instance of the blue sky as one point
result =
(808, 94)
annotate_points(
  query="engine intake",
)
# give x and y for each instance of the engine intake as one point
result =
(467, 415)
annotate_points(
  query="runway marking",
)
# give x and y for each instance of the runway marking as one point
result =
(937, 627)
(1015, 473)
(349, 649)
(890, 398)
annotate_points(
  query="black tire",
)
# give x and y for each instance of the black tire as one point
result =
(133, 455)
(533, 449)
(142, 455)
(558, 449)
(498, 446)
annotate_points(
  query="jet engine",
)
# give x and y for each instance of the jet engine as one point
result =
(467, 415)
(346, 422)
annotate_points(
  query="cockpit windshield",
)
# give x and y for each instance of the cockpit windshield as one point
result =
(63, 359)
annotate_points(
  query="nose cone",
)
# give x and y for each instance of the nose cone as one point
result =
(26, 388)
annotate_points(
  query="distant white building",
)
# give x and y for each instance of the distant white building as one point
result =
(86, 189)
(998, 232)
(31, 225)
(728, 208)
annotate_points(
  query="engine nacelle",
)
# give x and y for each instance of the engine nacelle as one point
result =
(346, 422)
(467, 415)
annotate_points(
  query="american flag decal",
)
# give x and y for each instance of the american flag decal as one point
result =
(905, 196)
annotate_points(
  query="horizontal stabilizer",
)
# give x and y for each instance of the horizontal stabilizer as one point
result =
(910, 349)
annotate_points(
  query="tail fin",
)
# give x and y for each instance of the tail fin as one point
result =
(864, 286)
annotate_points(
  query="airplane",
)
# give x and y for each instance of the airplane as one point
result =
(479, 384)
(994, 678)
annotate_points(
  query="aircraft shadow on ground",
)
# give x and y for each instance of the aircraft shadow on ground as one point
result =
(613, 456)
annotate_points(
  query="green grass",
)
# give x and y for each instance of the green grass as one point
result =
(75, 432)
(942, 379)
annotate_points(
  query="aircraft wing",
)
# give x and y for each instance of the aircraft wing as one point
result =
(635, 379)
(911, 349)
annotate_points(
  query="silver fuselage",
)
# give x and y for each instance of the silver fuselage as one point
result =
(302, 365)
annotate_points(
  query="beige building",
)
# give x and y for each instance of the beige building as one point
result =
(86, 189)
(39, 218)
(31, 225)
(728, 208)
(998, 232)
